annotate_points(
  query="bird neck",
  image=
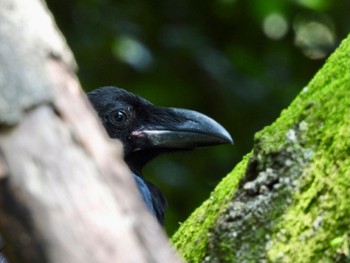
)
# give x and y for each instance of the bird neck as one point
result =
(137, 160)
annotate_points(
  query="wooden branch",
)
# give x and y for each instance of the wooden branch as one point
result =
(65, 192)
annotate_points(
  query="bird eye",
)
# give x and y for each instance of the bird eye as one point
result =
(118, 118)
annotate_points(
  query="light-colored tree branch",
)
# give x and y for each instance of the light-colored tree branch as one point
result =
(65, 193)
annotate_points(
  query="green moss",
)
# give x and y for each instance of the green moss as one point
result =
(321, 209)
(244, 229)
(191, 238)
(293, 202)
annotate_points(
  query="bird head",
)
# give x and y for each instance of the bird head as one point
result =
(147, 131)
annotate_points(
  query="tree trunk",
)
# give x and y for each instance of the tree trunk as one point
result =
(288, 200)
(65, 193)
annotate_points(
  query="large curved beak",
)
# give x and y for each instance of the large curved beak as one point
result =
(186, 129)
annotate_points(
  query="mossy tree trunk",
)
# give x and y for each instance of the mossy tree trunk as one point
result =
(289, 199)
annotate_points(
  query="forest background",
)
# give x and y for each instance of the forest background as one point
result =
(240, 62)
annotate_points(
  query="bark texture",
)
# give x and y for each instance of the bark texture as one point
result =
(65, 193)
(288, 200)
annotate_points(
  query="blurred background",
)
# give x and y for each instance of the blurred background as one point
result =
(240, 62)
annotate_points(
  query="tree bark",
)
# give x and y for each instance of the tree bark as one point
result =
(289, 199)
(65, 193)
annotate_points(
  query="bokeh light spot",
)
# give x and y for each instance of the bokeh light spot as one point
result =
(132, 52)
(275, 26)
(314, 38)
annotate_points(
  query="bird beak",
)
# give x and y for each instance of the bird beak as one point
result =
(189, 129)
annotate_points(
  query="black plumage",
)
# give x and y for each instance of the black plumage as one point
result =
(147, 131)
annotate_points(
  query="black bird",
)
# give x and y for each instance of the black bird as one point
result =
(147, 131)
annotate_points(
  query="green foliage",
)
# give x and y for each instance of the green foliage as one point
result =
(238, 61)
